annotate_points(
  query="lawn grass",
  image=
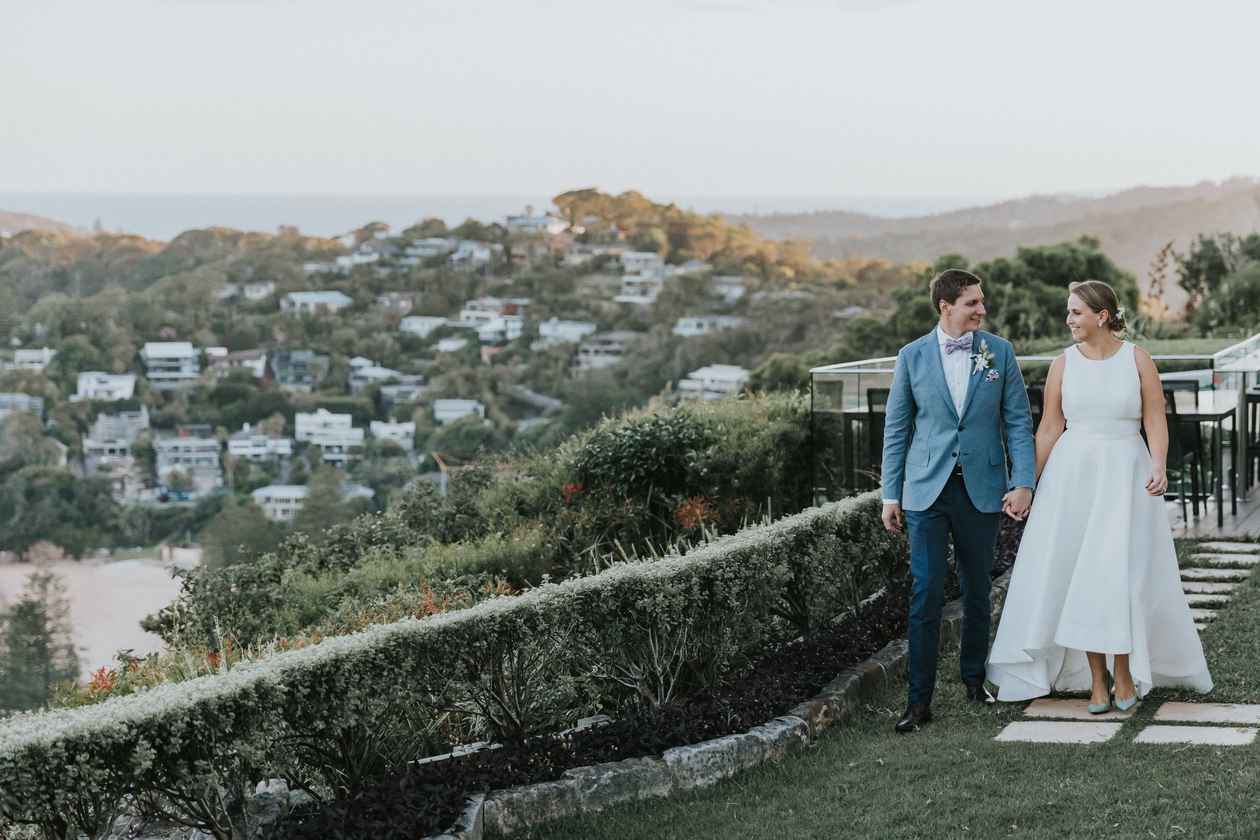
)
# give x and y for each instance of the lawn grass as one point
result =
(953, 780)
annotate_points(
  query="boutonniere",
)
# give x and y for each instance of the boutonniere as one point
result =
(983, 358)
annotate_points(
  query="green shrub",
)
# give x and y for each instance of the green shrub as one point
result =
(513, 666)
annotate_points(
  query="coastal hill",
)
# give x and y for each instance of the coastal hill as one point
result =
(1132, 226)
(11, 223)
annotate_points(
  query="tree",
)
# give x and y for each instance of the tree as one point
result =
(1210, 260)
(1234, 304)
(36, 649)
(323, 506)
(239, 533)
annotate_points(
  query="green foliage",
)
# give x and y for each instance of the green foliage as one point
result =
(45, 503)
(510, 667)
(323, 507)
(1234, 305)
(36, 651)
(239, 532)
(1202, 270)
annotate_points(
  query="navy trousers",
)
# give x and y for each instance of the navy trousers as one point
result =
(975, 536)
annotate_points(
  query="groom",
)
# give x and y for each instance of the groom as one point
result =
(956, 393)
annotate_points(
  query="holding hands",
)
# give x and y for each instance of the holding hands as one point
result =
(1158, 482)
(1016, 503)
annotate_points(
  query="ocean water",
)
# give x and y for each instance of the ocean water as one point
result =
(165, 215)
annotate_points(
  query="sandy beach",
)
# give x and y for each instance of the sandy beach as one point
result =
(107, 600)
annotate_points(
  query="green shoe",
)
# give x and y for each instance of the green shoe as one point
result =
(1099, 708)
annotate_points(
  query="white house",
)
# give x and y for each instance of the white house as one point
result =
(96, 385)
(260, 290)
(470, 254)
(640, 289)
(32, 359)
(604, 350)
(643, 262)
(448, 411)
(481, 310)
(170, 364)
(421, 325)
(500, 329)
(408, 388)
(554, 331)
(450, 345)
(403, 434)
(310, 425)
(314, 303)
(365, 376)
(689, 267)
(11, 403)
(333, 433)
(400, 302)
(531, 225)
(280, 502)
(729, 287)
(255, 361)
(195, 457)
(251, 444)
(696, 325)
(427, 249)
(713, 382)
(123, 425)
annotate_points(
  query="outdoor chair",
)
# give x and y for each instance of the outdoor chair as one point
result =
(876, 409)
(1036, 404)
(1185, 454)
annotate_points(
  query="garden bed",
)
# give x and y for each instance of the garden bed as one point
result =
(427, 798)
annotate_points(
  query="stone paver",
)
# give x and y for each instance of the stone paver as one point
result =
(1236, 713)
(1214, 574)
(1241, 561)
(1071, 709)
(1203, 587)
(1203, 615)
(1206, 600)
(1211, 736)
(1058, 732)
(1247, 548)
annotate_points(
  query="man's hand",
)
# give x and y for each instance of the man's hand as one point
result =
(1015, 504)
(892, 516)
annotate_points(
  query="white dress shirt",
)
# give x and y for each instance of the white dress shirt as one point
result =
(957, 367)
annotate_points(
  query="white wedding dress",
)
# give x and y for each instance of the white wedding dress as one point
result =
(1096, 569)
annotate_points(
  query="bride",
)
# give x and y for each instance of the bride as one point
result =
(1095, 589)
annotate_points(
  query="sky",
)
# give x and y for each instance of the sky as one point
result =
(696, 97)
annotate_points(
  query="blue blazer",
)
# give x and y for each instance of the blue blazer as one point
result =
(924, 437)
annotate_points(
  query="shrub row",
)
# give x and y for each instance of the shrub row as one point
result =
(332, 717)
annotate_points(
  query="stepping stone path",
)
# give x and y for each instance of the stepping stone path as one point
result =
(1213, 736)
(1058, 732)
(1230, 547)
(1215, 574)
(1244, 561)
(1067, 721)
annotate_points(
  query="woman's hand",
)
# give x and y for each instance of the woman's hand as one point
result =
(1158, 482)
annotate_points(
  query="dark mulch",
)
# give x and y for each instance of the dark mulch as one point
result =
(427, 798)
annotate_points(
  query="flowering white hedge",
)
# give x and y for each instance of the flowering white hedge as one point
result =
(191, 744)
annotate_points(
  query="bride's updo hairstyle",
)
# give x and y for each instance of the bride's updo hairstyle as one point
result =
(1098, 296)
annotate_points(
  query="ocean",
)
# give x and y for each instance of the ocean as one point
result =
(165, 215)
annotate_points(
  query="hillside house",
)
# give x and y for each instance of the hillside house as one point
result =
(12, 403)
(33, 359)
(697, 325)
(169, 365)
(106, 387)
(713, 382)
(605, 349)
(421, 325)
(298, 371)
(314, 303)
(554, 331)
(252, 444)
(448, 411)
(403, 434)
